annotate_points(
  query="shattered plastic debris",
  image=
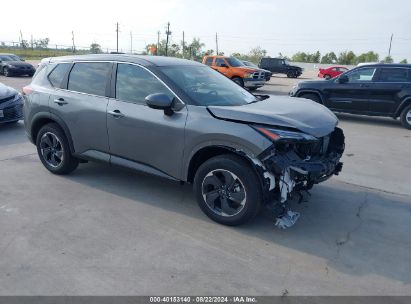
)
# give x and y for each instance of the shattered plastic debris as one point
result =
(287, 220)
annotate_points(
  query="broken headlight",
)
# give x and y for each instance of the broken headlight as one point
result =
(284, 135)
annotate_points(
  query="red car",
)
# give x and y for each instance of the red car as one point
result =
(332, 72)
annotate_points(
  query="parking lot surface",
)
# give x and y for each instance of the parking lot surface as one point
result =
(108, 231)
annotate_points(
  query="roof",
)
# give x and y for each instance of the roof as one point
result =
(144, 60)
(389, 65)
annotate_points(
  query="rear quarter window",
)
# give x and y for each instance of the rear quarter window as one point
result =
(394, 75)
(58, 73)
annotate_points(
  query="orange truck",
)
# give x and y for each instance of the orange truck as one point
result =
(245, 76)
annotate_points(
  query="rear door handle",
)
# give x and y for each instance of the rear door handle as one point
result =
(60, 101)
(116, 114)
(365, 85)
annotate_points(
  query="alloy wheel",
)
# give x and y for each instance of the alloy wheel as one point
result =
(408, 117)
(224, 193)
(51, 149)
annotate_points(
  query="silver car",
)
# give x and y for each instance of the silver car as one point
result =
(181, 120)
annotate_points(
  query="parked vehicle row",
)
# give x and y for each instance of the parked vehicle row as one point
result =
(12, 65)
(181, 120)
(375, 90)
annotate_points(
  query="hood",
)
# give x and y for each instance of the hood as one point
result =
(6, 91)
(247, 69)
(17, 63)
(297, 113)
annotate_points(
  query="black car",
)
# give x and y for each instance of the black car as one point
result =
(280, 66)
(268, 74)
(13, 65)
(375, 90)
(11, 105)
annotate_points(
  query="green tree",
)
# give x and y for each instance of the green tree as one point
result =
(388, 59)
(256, 54)
(300, 57)
(41, 43)
(347, 58)
(404, 61)
(95, 48)
(196, 49)
(368, 57)
(329, 58)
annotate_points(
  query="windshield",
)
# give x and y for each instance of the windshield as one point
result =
(207, 87)
(234, 62)
(249, 63)
(9, 58)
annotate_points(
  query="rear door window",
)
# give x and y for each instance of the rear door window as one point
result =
(89, 77)
(393, 75)
(219, 62)
(209, 61)
(58, 73)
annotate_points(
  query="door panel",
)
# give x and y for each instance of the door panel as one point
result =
(387, 93)
(83, 105)
(85, 116)
(139, 133)
(354, 95)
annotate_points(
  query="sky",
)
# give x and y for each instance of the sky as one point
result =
(285, 26)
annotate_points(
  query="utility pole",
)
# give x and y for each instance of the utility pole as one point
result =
(183, 45)
(158, 42)
(216, 43)
(21, 38)
(168, 33)
(31, 41)
(117, 34)
(131, 42)
(389, 50)
(72, 38)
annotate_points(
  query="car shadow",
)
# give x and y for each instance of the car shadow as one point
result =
(12, 133)
(355, 230)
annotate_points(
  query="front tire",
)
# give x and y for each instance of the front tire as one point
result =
(228, 190)
(54, 151)
(406, 117)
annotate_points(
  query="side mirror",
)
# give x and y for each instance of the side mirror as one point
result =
(223, 65)
(160, 101)
(343, 79)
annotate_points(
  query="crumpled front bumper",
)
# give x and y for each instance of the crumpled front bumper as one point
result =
(294, 170)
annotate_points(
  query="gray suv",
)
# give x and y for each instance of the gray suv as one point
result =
(183, 121)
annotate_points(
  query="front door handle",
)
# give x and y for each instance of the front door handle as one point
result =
(60, 101)
(116, 114)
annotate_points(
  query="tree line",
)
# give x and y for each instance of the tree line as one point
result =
(344, 58)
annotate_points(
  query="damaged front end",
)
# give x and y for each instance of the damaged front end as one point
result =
(295, 163)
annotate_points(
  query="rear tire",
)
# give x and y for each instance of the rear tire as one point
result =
(238, 81)
(54, 151)
(313, 97)
(228, 190)
(406, 117)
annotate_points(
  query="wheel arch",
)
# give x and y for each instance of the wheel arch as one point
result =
(42, 119)
(316, 92)
(406, 102)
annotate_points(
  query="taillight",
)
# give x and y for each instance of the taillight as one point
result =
(27, 90)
